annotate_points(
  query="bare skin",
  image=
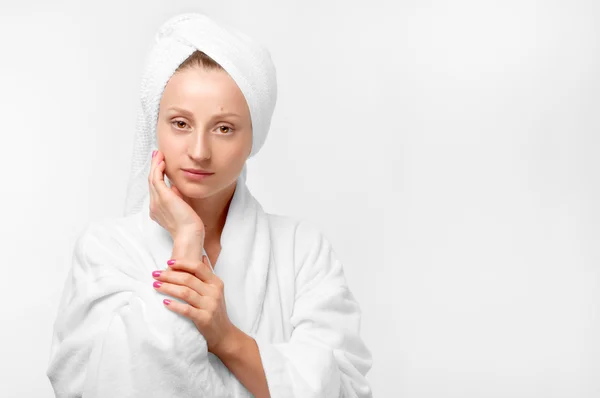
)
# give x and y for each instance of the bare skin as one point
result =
(194, 212)
(205, 140)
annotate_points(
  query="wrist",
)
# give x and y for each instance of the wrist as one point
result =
(188, 246)
(190, 232)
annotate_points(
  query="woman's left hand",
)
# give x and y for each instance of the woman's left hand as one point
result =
(203, 291)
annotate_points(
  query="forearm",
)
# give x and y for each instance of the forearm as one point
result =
(242, 358)
(240, 353)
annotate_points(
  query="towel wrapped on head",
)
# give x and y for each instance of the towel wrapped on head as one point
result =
(247, 62)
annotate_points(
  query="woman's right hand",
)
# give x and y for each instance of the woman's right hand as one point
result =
(169, 209)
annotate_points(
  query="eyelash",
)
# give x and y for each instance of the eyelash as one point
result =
(222, 125)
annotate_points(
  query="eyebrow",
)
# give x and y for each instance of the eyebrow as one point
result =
(191, 115)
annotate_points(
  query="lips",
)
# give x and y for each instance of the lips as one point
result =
(197, 172)
(199, 177)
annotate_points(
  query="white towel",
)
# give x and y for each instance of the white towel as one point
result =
(247, 62)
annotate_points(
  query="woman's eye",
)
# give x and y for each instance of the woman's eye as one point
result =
(180, 124)
(179, 121)
(227, 127)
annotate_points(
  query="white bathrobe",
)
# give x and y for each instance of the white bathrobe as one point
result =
(284, 286)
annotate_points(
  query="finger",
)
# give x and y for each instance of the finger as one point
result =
(159, 183)
(153, 164)
(182, 278)
(200, 269)
(186, 294)
(151, 191)
(189, 311)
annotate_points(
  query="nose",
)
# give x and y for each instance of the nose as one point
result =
(199, 149)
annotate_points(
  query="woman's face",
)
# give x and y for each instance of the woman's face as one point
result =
(207, 136)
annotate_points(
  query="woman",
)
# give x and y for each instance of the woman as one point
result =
(253, 304)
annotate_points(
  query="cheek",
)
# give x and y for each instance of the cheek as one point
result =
(162, 128)
(242, 152)
(163, 142)
(170, 145)
(246, 146)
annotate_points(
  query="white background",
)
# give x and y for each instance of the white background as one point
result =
(449, 150)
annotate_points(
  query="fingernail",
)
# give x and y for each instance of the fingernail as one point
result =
(171, 262)
(167, 301)
(156, 274)
(157, 284)
(153, 153)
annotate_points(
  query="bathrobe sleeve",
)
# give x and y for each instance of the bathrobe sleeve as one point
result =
(114, 338)
(325, 356)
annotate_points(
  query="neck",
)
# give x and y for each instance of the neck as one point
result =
(213, 212)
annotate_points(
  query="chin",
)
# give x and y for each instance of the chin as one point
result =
(202, 189)
(193, 189)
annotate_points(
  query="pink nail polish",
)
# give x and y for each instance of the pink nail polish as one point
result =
(171, 262)
(156, 274)
(157, 284)
(167, 301)
(153, 153)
